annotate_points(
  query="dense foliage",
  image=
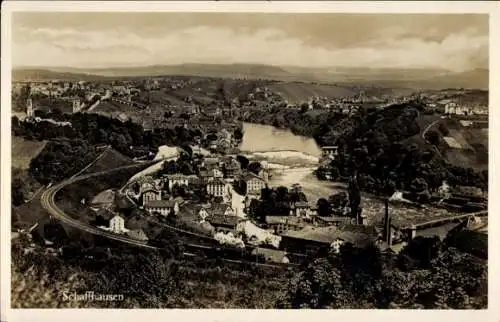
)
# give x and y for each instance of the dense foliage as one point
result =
(442, 277)
(384, 147)
(98, 129)
(23, 186)
(276, 202)
(146, 279)
(71, 145)
(60, 159)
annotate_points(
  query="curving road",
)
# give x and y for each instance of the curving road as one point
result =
(428, 127)
(48, 202)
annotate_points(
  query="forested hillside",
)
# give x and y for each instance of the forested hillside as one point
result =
(384, 147)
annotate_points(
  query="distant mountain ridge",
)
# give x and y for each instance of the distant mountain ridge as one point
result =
(413, 78)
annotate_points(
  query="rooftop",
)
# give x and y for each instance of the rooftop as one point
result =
(160, 204)
(335, 219)
(283, 220)
(177, 176)
(249, 176)
(357, 235)
(224, 220)
(218, 209)
(217, 181)
(440, 231)
(301, 204)
(273, 255)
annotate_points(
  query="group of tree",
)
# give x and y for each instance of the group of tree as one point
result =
(23, 185)
(254, 166)
(61, 158)
(71, 145)
(99, 129)
(146, 279)
(276, 202)
(427, 274)
(381, 145)
(185, 164)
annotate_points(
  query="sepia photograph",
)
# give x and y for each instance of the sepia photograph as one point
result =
(248, 160)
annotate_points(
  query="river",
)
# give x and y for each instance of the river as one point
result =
(298, 155)
(265, 138)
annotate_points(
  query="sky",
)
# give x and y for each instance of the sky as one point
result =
(99, 40)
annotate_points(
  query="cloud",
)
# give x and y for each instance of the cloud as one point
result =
(391, 47)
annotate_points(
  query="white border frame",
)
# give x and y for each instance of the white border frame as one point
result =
(486, 7)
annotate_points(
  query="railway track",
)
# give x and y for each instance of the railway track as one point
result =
(48, 202)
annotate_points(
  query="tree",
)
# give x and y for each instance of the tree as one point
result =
(443, 129)
(296, 194)
(188, 150)
(420, 190)
(420, 252)
(338, 200)
(433, 137)
(238, 134)
(179, 190)
(323, 207)
(254, 167)
(240, 187)
(354, 195)
(212, 137)
(469, 241)
(253, 208)
(243, 161)
(319, 286)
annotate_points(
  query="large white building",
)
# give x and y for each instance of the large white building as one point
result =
(117, 225)
(150, 195)
(216, 188)
(178, 179)
(254, 183)
(162, 207)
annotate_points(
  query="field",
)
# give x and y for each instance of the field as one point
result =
(300, 92)
(108, 160)
(465, 146)
(23, 151)
(28, 214)
(473, 151)
(198, 96)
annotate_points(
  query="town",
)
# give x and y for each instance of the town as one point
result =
(218, 193)
(351, 185)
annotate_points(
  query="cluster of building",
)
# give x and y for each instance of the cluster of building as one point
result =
(302, 231)
(216, 177)
(54, 88)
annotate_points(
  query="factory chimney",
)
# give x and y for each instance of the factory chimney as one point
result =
(387, 225)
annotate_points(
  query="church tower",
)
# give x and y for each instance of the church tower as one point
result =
(29, 108)
(76, 106)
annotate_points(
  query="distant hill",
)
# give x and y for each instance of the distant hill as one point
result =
(386, 77)
(476, 79)
(205, 70)
(31, 74)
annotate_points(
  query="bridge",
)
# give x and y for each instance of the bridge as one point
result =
(129, 103)
(450, 219)
(441, 221)
(291, 170)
